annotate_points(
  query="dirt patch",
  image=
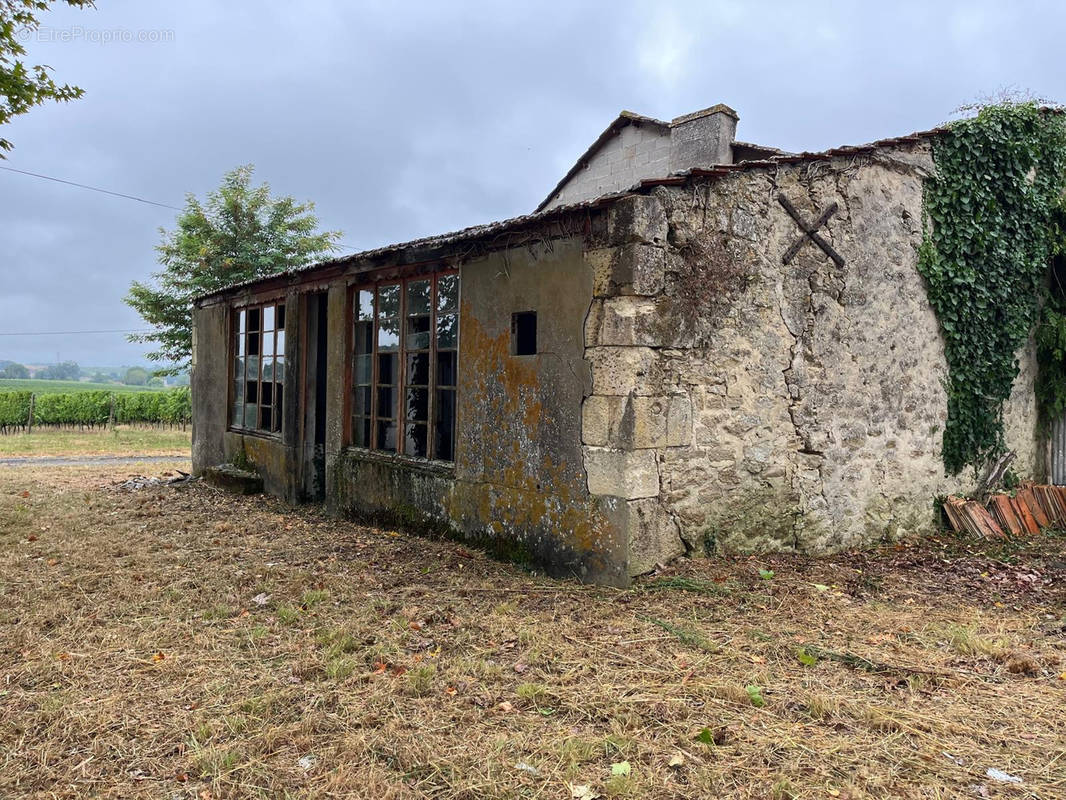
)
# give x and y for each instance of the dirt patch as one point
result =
(188, 643)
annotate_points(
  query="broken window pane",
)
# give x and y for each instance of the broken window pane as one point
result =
(253, 320)
(281, 317)
(279, 369)
(417, 333)
(387, 402)
(361, 432)
(388, 334)
(387, 368)
(259, 374)
(251, 392)
(265, 417)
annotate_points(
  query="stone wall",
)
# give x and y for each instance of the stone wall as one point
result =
(747, 405)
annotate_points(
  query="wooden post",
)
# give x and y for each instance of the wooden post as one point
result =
(111, 416)
(29, 419)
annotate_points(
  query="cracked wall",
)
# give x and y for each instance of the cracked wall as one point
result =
(745, 405)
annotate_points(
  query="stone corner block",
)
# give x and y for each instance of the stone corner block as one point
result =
(620, 473)
(654, 536)
(662, 421)
(637, 218)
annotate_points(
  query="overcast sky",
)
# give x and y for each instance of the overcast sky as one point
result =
(406, 119)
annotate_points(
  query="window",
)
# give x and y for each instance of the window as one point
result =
(259, 368)
(404, 366)
(524, 333)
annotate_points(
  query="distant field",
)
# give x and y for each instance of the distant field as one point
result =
(124, 440)
(55, 387)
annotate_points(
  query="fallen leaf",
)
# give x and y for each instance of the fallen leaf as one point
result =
(676, 760)
(1001, 776)
(415, 626)
(757, 659)
(261, 599)
(621, 769)
(32, 537)
(307, 763)
(524, 767)
(450, 690)
(159, 656)
(580, 791)
(520, 668)
(24, 494)
(52, 562)
(63, 656)
(379, 668)
(506, 707)
(821, 587)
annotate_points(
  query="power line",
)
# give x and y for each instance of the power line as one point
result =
(91, 188)
(66, 333)
(119, 194)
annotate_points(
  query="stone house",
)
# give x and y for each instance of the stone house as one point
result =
(692, 343)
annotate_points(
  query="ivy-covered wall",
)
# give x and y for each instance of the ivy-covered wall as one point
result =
(991, 212)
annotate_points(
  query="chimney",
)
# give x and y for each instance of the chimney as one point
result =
(703, 139)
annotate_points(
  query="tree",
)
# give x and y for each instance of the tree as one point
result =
(63, 371)
(238, 233)
(14, 370)
(136, 376)
(100, 377)
(22, 87)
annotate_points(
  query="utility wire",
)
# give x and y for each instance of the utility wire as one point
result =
(90, 188)
(117, 194)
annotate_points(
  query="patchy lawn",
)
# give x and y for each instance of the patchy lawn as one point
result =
(183, 643)
(124, 440)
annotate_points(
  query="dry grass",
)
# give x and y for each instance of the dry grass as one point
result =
(182, 643)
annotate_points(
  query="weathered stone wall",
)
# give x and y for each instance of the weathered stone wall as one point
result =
(749, 405)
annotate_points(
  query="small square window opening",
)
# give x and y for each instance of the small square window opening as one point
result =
(524, 333)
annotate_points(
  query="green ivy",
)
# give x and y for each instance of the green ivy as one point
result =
(991, 229)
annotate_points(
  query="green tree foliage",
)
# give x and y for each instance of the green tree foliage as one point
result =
(992, 212)
(136, 376)
(238, 233)
(14, 370)
(22, 86)
(63, 371)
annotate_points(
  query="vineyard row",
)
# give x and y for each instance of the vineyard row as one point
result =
(21, 411)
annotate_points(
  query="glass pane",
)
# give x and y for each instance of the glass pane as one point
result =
(268, 318)
(417, 333)
(251, 391)
(240, 344)
(238, 391)
(388, 334)
(253, 344)
(249, 416)
(417, 439)
(266, 420)
(361, 401)
(444, 437)
(281, 343)
(447, 331)
(252, 367)
(361, 432)
(253, 319)
(242, 320)
(362, 370)
(418, 369)
(417, 404)
(238, 369)
(268, 343)
(446, 367)
(388, 366)
(279, 406)
(448, 293)
(364, 341)
(387, 402)
(281, 316)
(364, 305)
(387, 436)
(389, 300)
(237, 414)
(279, 369)
(418, 297)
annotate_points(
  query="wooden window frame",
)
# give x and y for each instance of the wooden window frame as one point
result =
(433, 387)
(237, 337)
